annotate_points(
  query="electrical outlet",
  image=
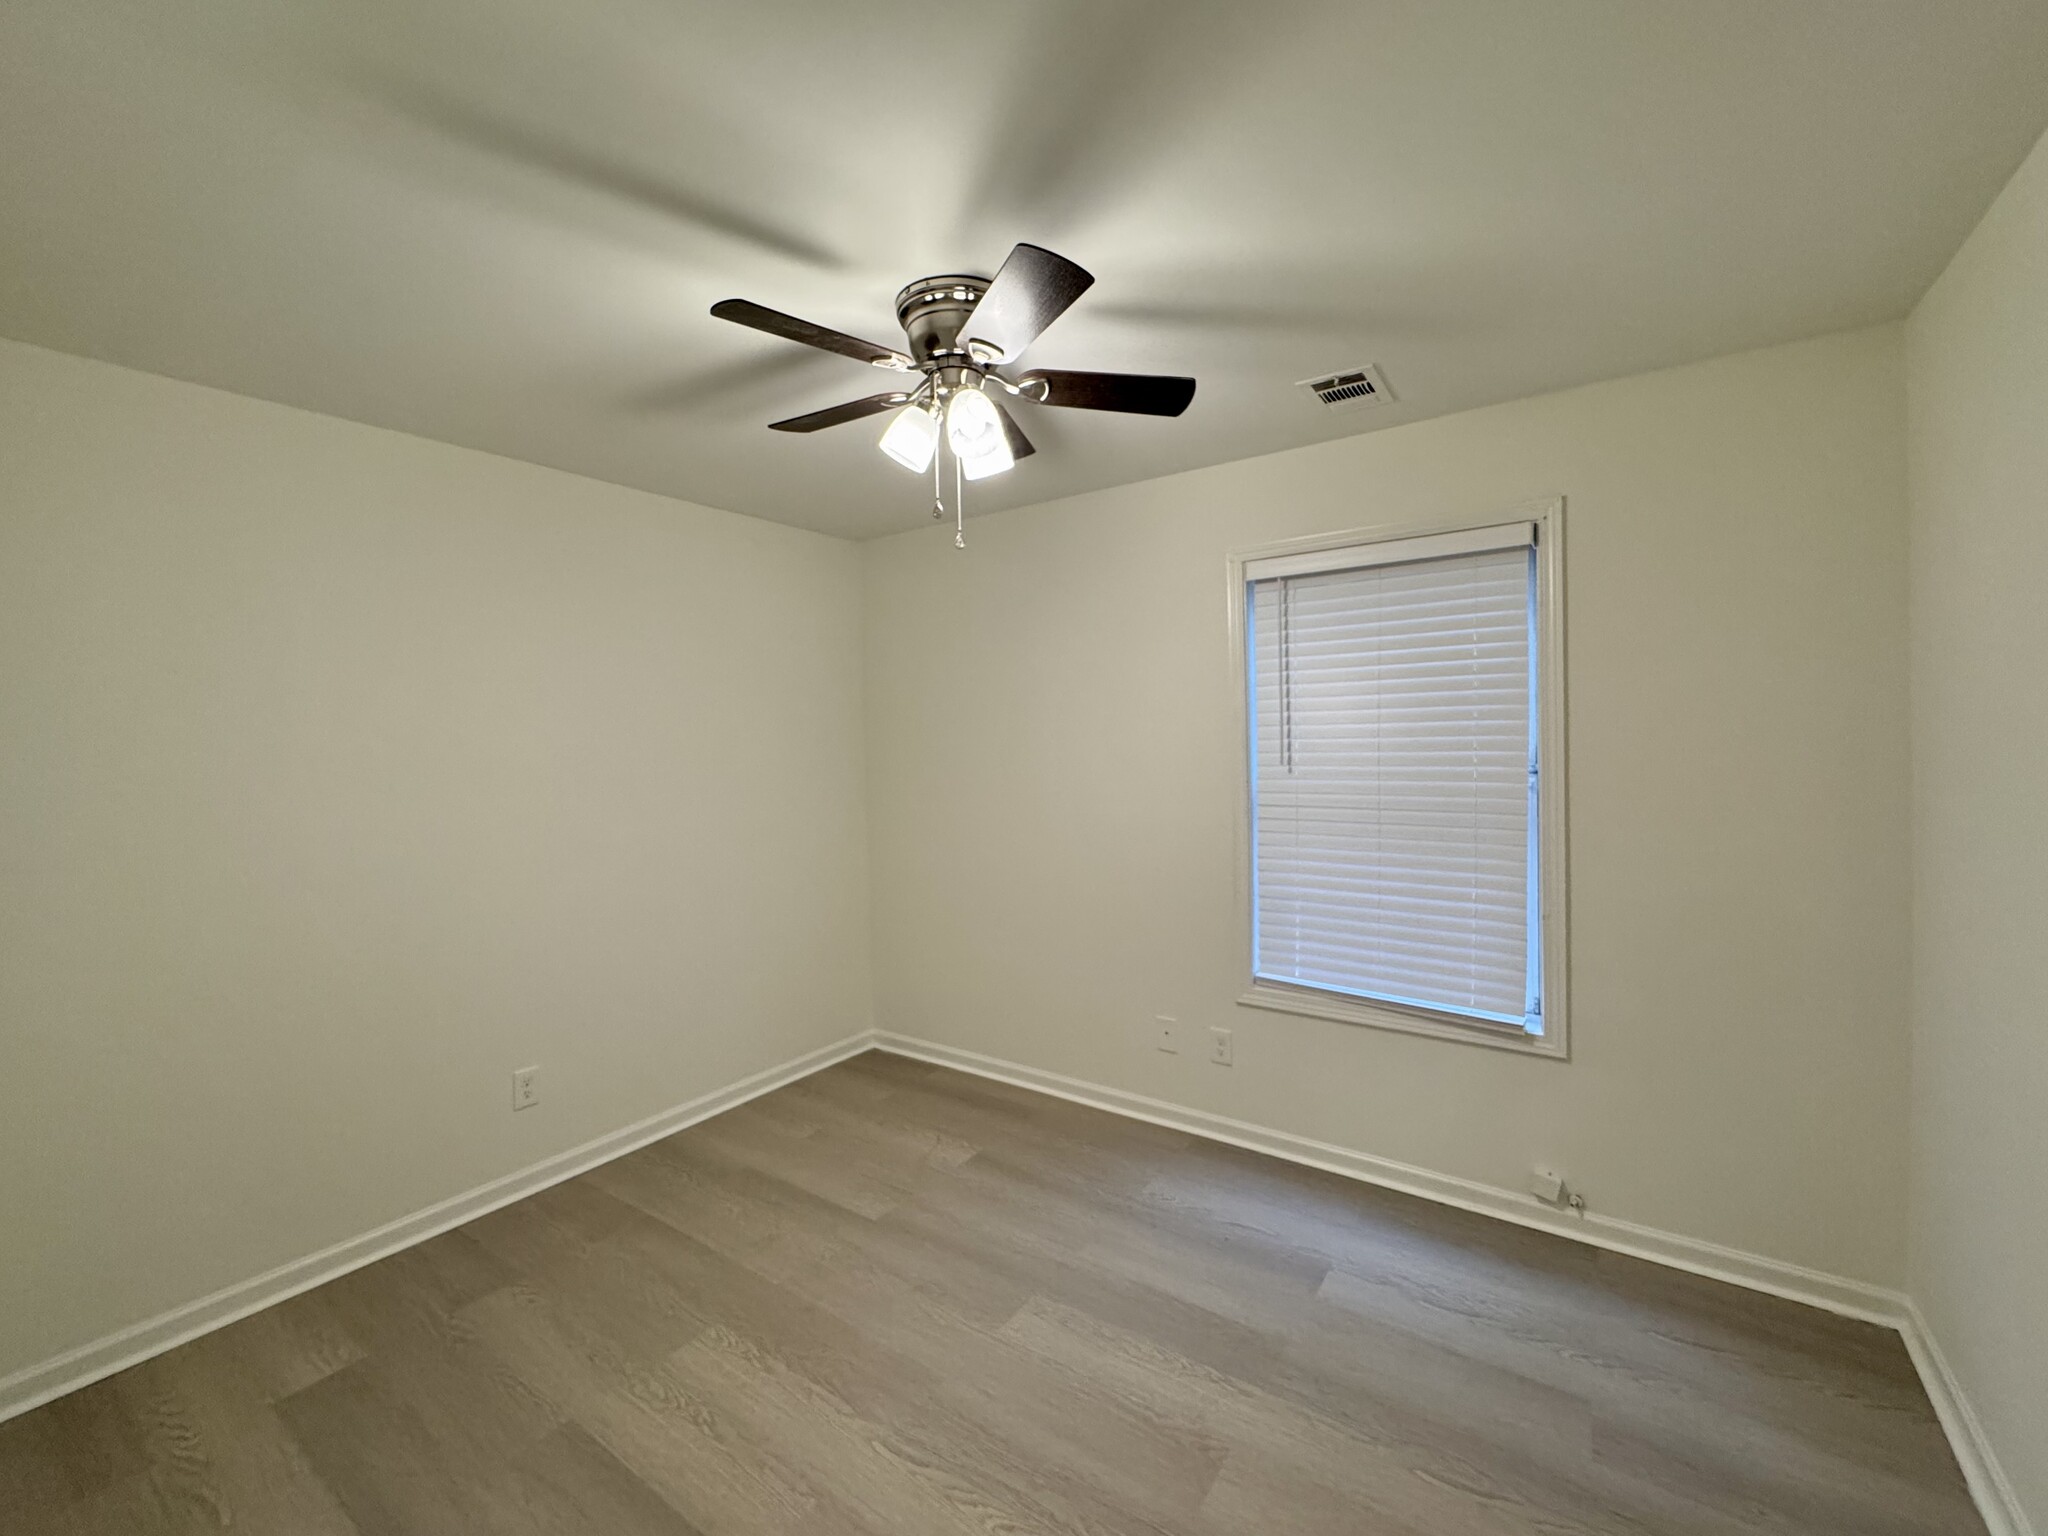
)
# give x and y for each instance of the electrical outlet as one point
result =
(1219, 1047)
(1166, 1035)
(526, 1087)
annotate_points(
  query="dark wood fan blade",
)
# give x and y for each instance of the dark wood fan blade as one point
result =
(1033, 289)
(1020, 445)
(542, 150)
(1143, 394)
(837, 415)
(776, 323)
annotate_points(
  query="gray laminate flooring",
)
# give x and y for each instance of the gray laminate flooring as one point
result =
(895, 1300)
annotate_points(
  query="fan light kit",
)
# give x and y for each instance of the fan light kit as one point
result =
(961, 331)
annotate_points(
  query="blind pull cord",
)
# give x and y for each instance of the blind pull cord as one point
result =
(1286, 678)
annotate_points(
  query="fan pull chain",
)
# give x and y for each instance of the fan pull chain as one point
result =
(959, 506)
(938, 505)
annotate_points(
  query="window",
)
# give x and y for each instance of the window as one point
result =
(1402, 710)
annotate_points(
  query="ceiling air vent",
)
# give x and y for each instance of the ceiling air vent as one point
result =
(1352, 390)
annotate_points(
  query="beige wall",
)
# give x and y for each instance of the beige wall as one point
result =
(1053, 763)
(340, 774)
(1977, 349)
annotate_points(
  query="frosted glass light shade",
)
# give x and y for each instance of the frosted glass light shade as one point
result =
(991, 461)
(912, 437)
(975, 429)
(971, 421)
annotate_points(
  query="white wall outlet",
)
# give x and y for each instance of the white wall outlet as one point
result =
(1219, 1046)
(1546, 1186)
(1166, 1034)
(526, 1087)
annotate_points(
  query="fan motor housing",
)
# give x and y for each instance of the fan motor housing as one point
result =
(932, 310)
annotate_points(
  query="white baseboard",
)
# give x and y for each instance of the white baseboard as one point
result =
(79, 1367)
(1851, 1298)
(1996, 1499)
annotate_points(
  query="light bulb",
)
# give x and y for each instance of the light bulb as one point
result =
(912, 438)
(971, 422)
(975, 429)
(991, 461)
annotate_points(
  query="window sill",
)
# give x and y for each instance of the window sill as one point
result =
(1411, 1021)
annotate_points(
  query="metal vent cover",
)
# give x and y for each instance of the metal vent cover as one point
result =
(1352, 389)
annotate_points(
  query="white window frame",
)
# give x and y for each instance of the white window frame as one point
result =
(1328, 552)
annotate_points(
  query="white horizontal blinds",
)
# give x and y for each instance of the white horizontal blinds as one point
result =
(1393, 756)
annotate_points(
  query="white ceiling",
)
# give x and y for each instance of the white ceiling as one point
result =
(500, 222)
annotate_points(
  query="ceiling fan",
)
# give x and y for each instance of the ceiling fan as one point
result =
(961, 331)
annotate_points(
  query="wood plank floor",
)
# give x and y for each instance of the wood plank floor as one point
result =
(894, 1300)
